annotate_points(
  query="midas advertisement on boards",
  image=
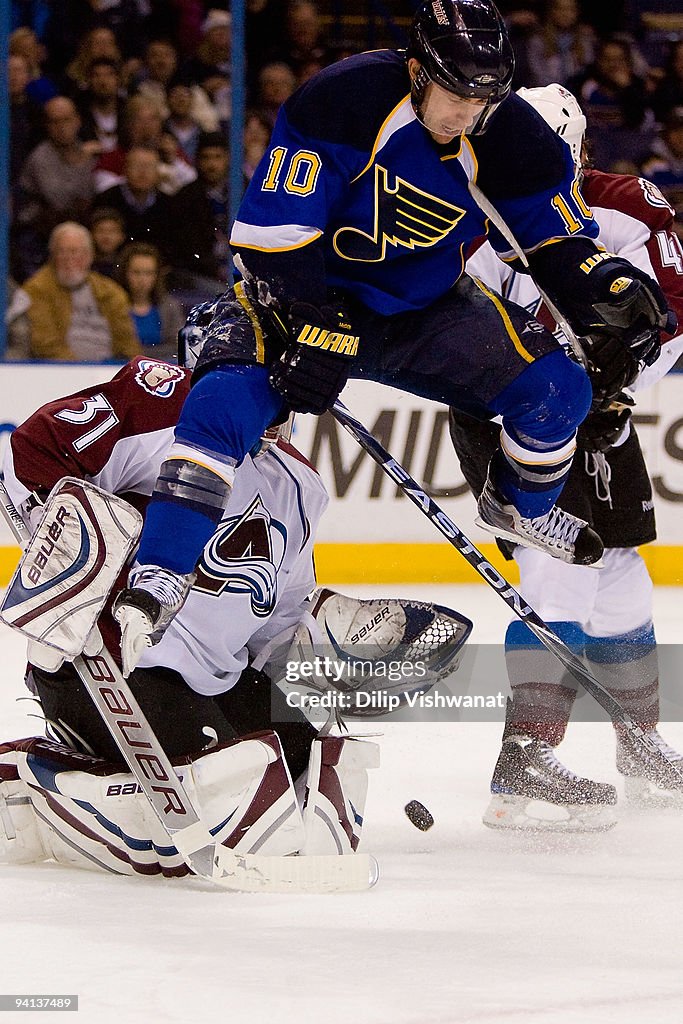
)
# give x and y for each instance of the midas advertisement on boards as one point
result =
(371, 532)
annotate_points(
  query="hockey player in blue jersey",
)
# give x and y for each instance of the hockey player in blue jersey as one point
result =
(351, 242)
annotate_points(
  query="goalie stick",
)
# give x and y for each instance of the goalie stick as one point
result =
(151, 767)
(502, 587)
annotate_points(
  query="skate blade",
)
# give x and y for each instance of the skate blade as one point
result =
(526, 815)
(515, 538)
(642, 794)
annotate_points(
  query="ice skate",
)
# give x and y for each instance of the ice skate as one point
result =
(646, 785)
(158, 593)
(532, 791)
(557, 533)
(146, 608)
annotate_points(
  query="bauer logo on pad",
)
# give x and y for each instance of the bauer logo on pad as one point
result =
(36, 567)
(70, 565)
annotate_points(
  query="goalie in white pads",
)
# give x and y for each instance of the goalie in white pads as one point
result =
(237, 747)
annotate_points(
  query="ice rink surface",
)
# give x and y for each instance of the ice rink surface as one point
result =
(465, 925)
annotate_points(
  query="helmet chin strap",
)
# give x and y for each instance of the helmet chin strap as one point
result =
(433, 131)
(417, 110)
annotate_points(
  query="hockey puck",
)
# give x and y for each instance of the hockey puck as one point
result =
(419, 815)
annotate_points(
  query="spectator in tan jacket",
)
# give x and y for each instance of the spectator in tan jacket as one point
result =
(76, 314)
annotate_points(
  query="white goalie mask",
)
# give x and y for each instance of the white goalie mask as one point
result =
(559, 109)
(191, 340)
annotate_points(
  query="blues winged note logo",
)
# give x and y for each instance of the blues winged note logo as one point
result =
(404, 215)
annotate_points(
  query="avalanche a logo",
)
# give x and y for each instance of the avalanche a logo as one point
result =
(158, 379)
(243, 557)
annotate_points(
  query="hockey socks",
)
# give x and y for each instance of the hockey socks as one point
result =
(627, 665)
(543, 691)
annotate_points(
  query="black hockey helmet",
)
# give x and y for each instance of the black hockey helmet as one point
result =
(463, 46)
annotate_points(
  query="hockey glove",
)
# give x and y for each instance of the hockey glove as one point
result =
(316, 364)
(600, 431)
(621, 315)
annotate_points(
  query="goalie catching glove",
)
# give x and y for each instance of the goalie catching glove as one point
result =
(376, 653)
(315, 366)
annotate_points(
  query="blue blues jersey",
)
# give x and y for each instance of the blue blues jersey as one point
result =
(354, 193)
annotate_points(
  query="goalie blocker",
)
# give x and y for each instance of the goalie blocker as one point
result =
(82, 541)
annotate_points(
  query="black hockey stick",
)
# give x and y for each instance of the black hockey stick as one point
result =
(503, 588)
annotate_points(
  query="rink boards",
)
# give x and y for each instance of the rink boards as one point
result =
(372, 533)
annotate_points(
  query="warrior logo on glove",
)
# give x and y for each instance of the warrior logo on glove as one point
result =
(333, 341)
(317, 362)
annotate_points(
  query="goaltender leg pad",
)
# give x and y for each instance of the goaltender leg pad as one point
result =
(20, 841)
(82, 541)
(336, 790)
(85, 812)
(252, 778)
(88, 814)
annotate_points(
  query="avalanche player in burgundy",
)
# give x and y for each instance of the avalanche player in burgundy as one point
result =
(204, 687)
(198, 691)
(116, 435)
(604, 613)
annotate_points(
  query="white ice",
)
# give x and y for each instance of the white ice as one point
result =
(465, 925)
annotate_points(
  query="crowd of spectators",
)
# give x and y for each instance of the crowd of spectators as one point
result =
(624, 63)
(119, 162)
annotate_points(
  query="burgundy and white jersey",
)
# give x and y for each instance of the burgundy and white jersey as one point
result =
(636, 222)
(113, 434)
(256, 570)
